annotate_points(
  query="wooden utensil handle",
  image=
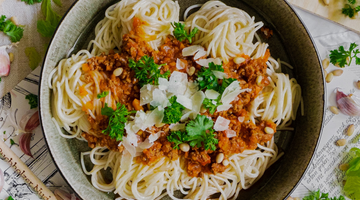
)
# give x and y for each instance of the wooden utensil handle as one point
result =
(25, 172)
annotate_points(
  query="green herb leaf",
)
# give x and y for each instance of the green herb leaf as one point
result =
(200, 132)
(0, 79)
(177, 137)
(33, 56)
(9, 28)
(173, 113)
(206, 77)
(225, 83)
(352, 1)
(181, 34)
(350, 11)
(147, 71)
(10, 198)
(31, 2)
(321, 196)
(33, 101)
(117, 120)
(12, 142)
(339, 56)
(103, 94)
(48, 26)
(4, 132)
(57, 2)
(352, 184)
(212, 104)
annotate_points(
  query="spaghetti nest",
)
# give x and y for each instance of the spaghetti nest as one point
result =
(170, 106)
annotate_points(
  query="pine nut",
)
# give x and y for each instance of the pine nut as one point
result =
(350, 130)
(290, 198)
(191, 71)
(258, 80)
(344, 167)
(334, 110)
(269, 130)
(239, 60)
(325, 63)
(341, 142)
(325, 73)
(297, 198)
(203, 110)
(337, 72)
(225, 162)
(329, 77)
(14, 20)
(11, 57)
(118, 71)
(326, 2)
(219, 157)
(358, 84)
(184, 147)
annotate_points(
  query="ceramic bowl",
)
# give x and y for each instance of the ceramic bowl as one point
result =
(291, 42)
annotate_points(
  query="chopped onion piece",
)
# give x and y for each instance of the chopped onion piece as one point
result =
(211, 94)
(191, 50)
(230, 133)
(221, 124)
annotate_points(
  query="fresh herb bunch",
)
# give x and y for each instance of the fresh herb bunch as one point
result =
(349, 10)
(180, 32)
(117, 120)
(212, 104)
(352, 184)
(31, 2)
(340, 56)
(9, 28)
(33, 100)
(103, 94)
(198, 132)
(206, 77)
(173, 113)
(147, 71)
(48, 26)
(321, 196)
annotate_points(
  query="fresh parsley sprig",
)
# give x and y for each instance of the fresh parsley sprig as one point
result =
(349, 10)
(31, 2)
(9, 28)
(212, 104)
(173, 113)
(117, 120)
(340, 56)
(147, 71)
(181, 34)
(103, 94)
(321, 196)
(206, 77)
(199, 132)
(33, 100)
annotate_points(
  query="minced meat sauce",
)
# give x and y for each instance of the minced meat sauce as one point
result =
(125, 90)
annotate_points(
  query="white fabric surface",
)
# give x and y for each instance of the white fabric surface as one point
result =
(28, 15)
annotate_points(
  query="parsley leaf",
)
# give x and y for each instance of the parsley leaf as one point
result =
(147, 71)
(33, 101)
(321, 196)
(350, 11)
(339, 56)
(173, 113)
(212, 104)
(352, 1)
(12, 142)
(200, 131)
(177, 137)
(117, 120)
(4, 132)
(181, 34)
(206, 77)
(48, 26)
(10, 198)
(352, 184)
(225, 83)
(9, 28)
(103, 94)
(33, 56)
(31, 2)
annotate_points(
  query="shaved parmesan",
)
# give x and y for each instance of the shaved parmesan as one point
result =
(200, 53)
(163, 83)
(191, 89)
(180, 64)
(231, 92)
(159, 99)
(130, 148)
(177, 127)
(146, 94)
(221, 124)
(220, 75)
(185, 114)
(223, 107)
(191, 50)
(126, 160)
(144, 145)
(197, 100)
(205, 62)
(230, 133)
(178, 83)
(185, 101)
(155, 117)
(153, 137)
(211, 94)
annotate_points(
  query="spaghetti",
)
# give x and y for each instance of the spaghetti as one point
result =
(248, 101)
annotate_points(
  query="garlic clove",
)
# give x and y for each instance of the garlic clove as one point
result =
(4, 62)
(348, 104)
(29, 121)
(24, 143)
